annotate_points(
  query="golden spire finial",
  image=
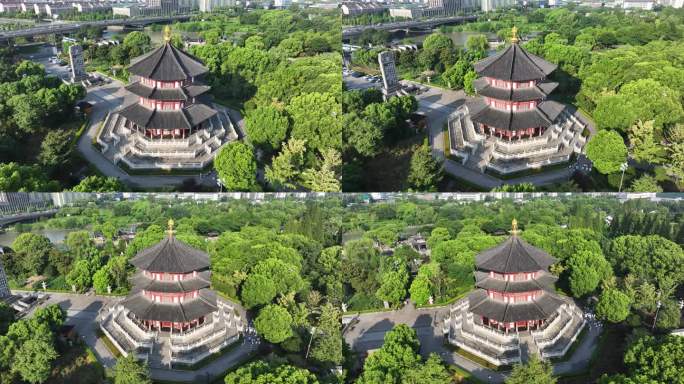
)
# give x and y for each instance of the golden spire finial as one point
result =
(514, 226)
(170, 230)
(514, 35)
(167, 33)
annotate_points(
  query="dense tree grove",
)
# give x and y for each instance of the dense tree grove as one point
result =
(285, 71)
(398, 361)
(371, 125)
(33, 105)
(296, 265)
(28, 347)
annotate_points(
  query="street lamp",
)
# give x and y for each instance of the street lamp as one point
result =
(655, 318)
(313, 331)
(623, 168)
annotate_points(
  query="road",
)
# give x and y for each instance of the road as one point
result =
(68, 27)
(348, 32)
(107, 98)
(370, 330)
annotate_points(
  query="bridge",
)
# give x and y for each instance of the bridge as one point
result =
(25, 216)
(63, 28)
(421, 24)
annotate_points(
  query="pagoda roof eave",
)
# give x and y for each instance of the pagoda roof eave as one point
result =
(167, 63)
(165, 94)
(141, 282)
(185, 312)
(172, 256)
(514, 64)
(538, 92)
(185, 118)
(539, 309)
(543, 282)
(508, 120)
(514, 255)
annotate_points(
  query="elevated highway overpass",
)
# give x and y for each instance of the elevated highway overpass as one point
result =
(348, 32)
(25, 216)
(62, 28)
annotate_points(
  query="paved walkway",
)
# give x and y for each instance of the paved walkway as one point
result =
(107, 98)
(368, 333)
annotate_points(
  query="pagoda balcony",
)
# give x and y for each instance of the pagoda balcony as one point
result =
(484, 351)
(194, 356)
(221, 333)
(564, 340)
(523, 153)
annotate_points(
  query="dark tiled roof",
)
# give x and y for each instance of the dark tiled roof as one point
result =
(542, 116)
(155, 93)
(541, 308)
(167, 63)
(544, 282)
(188, 117)
(538, 92)
(146, 309)
(198, 113)
(514, 64)
(514, 255)
(140, 282)
(171, 255)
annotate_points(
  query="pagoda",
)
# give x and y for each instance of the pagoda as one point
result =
(512, 126)
(171, 316)
(168, 124)
(514, 311)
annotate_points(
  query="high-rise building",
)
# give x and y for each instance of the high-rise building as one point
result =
(209, 5)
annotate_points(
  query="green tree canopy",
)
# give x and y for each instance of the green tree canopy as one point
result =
(236, 167)
(607, 151)
(274, 323)
(613, 305)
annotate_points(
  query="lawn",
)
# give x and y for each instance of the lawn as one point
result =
(607, 358)
(77, 365)
(388, 170)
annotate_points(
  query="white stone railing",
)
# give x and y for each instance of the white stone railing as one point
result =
(564, 350)
(542, 333)
(113, 340)
(510, 337)
(137, 342)
(194, 333)
(525, 153)
(541, 343)
(143, 332)
(488, 342)
(177, 347)
(549, 161)
(195, 358)
(494, 360)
